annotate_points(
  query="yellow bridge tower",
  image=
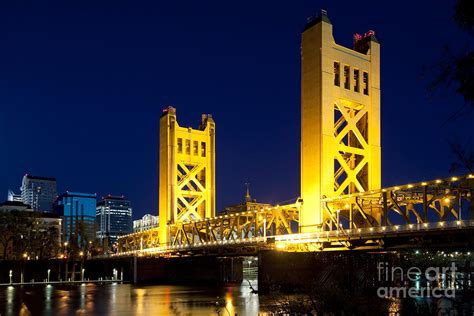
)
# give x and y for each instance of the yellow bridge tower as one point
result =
(187, 172)
(340, 119)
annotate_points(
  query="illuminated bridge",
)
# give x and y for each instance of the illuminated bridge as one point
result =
(409, 213)
(342, 205)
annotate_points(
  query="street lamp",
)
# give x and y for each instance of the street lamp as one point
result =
(11, 275)
(49, 271)
(82, 274)
(264, 227)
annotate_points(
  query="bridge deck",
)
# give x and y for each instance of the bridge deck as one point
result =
(376, 219)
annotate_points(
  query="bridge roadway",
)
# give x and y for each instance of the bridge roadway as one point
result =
(432, 213)
(436, 235)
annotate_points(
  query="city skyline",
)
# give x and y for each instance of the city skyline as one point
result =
(117, 141)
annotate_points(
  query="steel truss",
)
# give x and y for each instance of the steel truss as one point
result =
(243, 226)
(355, 221)
(439, 200)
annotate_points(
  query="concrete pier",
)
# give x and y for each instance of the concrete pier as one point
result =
(187, 270)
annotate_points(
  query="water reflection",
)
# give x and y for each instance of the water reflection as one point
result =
(125, 299)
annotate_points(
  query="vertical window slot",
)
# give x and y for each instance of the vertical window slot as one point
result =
(347, 77)
(337, 74)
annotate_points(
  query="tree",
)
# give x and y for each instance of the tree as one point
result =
(456, 70)
(7, 230)
(464, 157)
(27, 232)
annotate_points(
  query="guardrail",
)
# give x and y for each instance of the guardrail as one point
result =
(369, 231)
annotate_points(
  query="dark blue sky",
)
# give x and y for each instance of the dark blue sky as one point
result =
(82, 86)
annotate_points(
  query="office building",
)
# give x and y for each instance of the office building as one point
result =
(114, 218)
(147, 222)
(39, 192)
(12, 197)
(78, 213)
(14, 206)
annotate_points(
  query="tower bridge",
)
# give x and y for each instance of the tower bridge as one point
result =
(342, 204)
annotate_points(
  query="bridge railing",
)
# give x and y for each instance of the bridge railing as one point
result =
(317, 239)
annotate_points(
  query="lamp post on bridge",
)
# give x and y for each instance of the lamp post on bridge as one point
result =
(264, 227)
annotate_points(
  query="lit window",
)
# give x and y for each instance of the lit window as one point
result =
(347, 75)
(366, 83)
(337, 74)
(188, 146)
(356, 80)
(180, 145)
(203, 149)
(195, 148)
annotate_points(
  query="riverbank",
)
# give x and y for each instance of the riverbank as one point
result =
(63, 282)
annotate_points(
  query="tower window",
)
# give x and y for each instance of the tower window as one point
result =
(203, 149)
(180, 145)
(188, 147)
(195, 148)
(347, 77)
(366, 83)
(337, 74)
(356, 80)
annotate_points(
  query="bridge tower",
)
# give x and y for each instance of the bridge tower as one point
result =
(186, 172)
(340, 118)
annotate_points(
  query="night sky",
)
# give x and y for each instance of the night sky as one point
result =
(83, 84)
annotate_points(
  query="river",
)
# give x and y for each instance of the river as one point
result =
(126, 299)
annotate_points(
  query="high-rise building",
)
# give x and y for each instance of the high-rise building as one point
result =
(39, 192)
(147, 222)
(113, 217)
(12, 197)
(78, 211)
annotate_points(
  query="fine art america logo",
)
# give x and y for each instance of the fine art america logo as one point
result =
(410, 284)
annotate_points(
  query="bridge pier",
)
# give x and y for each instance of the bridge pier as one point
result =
(304, 271)
(187, 270)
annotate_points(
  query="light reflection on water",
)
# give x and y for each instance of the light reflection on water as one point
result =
(126, 299)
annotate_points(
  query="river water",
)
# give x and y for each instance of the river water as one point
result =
(126, 299)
